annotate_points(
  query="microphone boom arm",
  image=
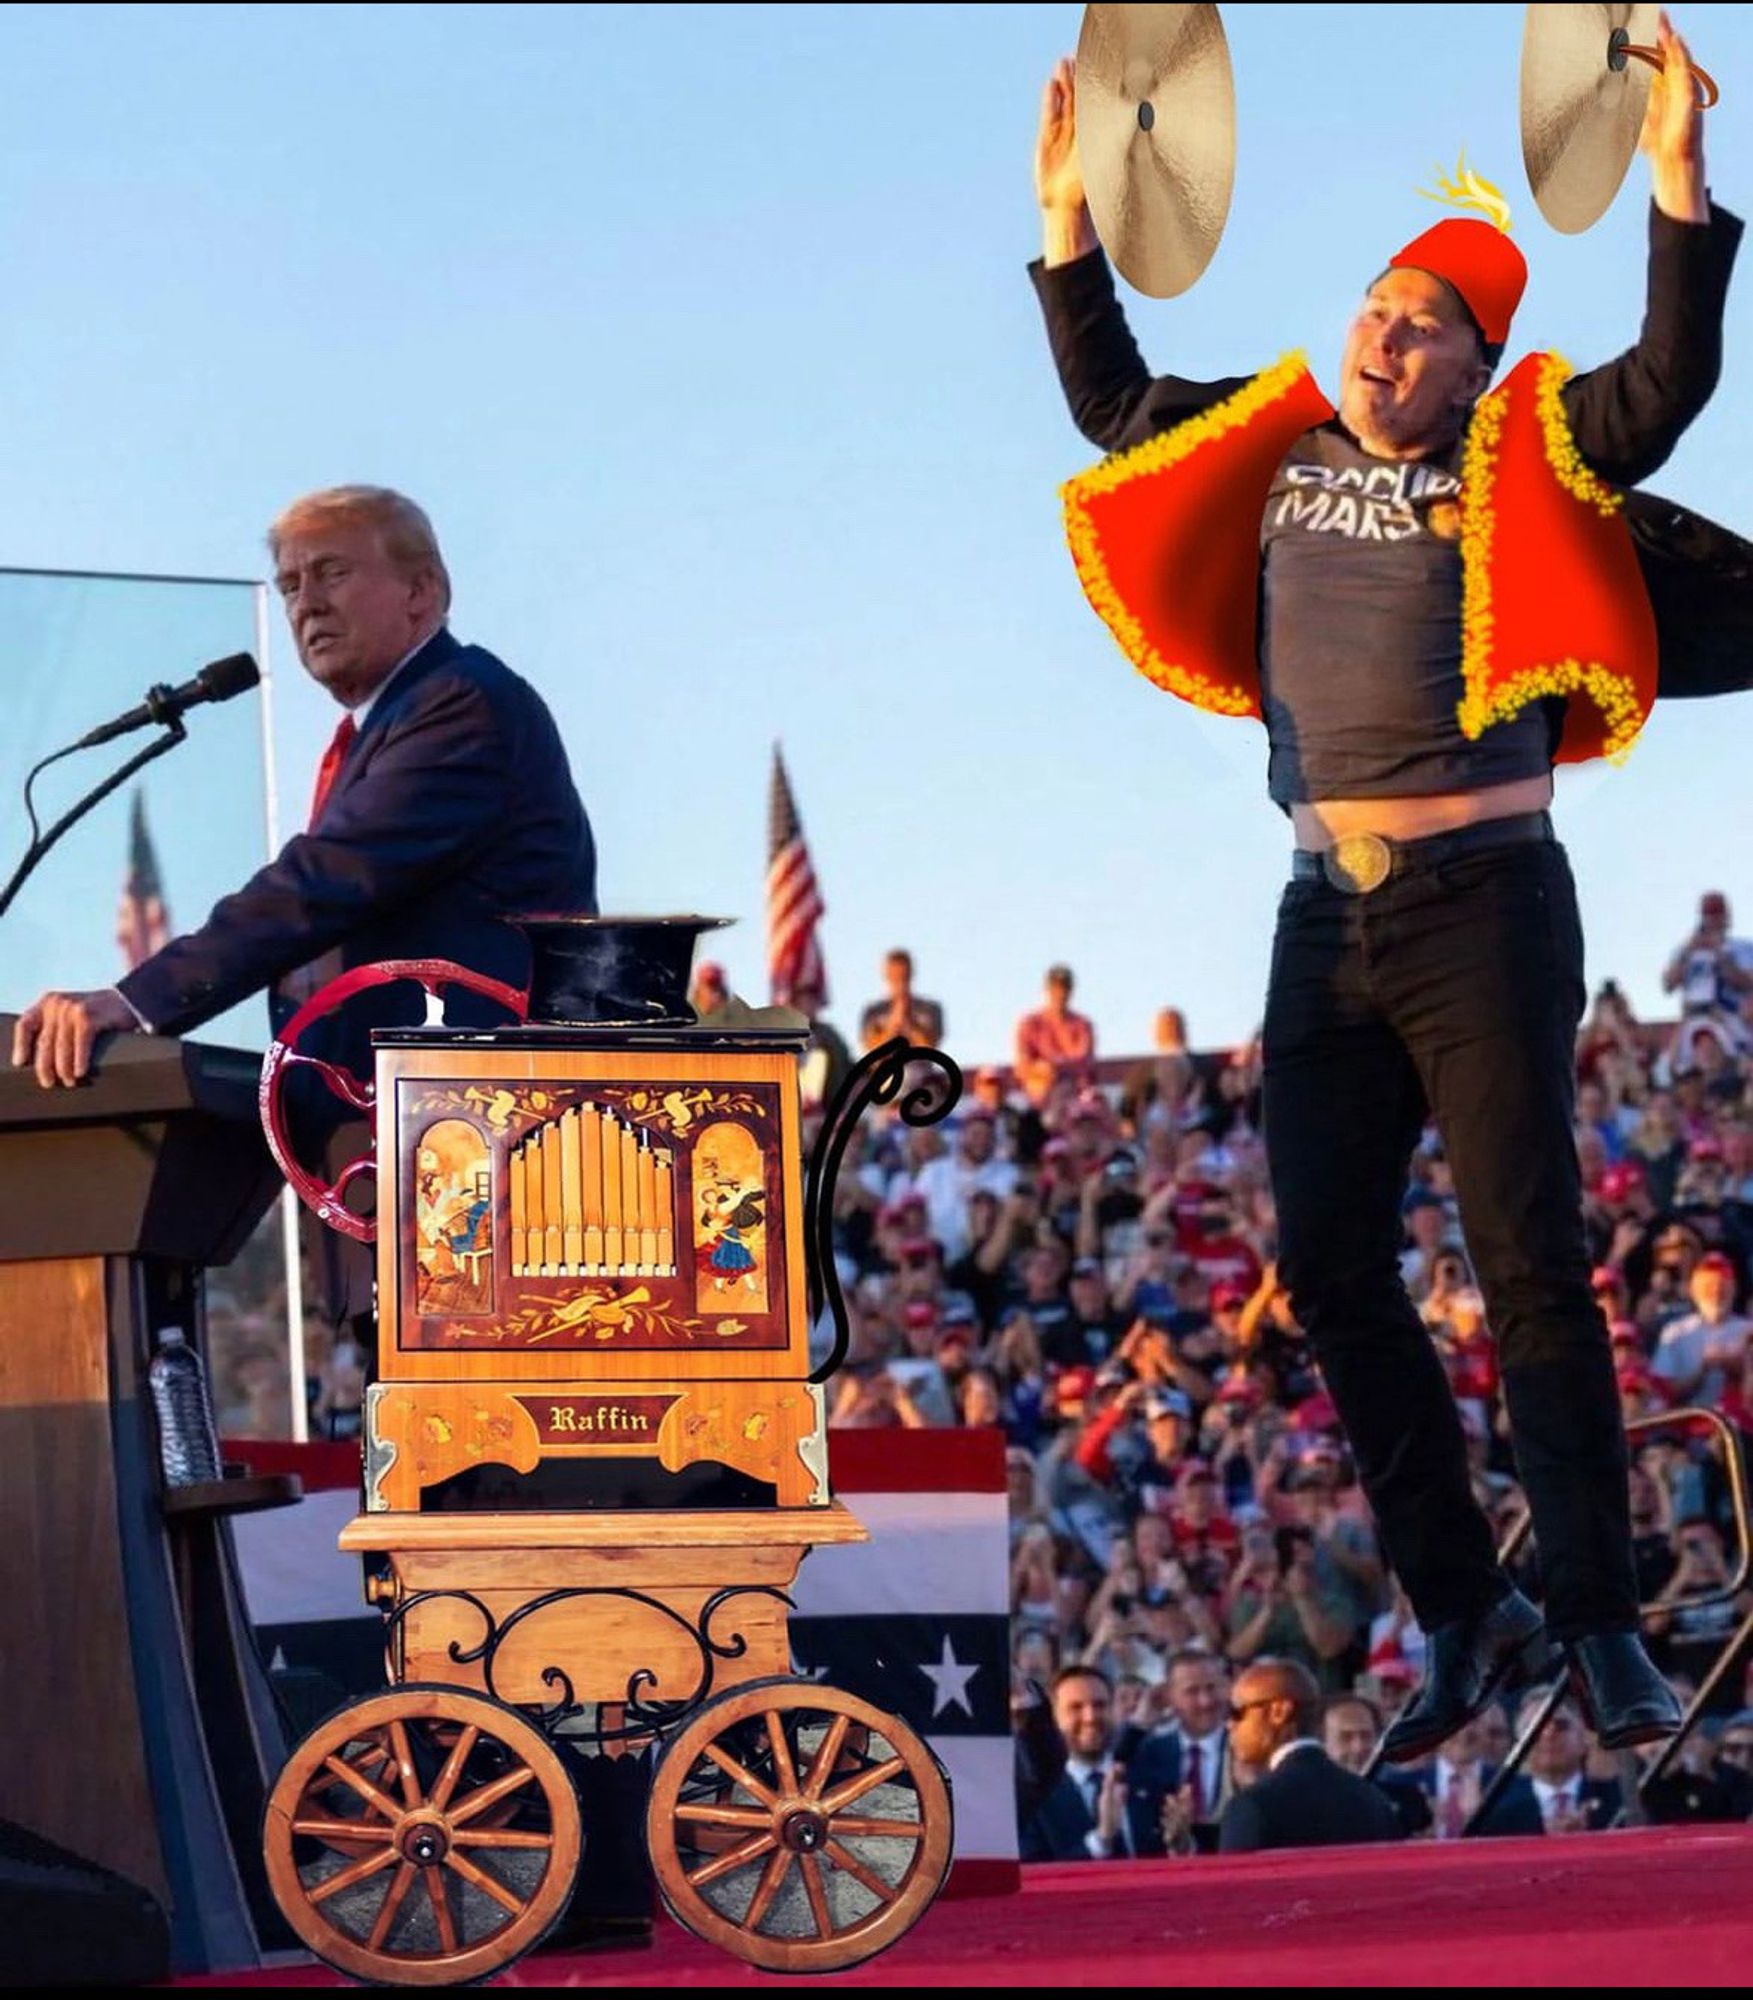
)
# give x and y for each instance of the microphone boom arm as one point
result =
(42, 842)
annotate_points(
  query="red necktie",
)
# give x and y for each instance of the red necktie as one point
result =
(329, 769)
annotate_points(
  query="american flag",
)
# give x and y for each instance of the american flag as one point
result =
(794, 903)
(142, 922)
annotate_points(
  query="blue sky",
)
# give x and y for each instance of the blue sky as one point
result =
(704, 336)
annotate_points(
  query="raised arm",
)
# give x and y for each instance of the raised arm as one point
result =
(1114, 399)
(1628, 415)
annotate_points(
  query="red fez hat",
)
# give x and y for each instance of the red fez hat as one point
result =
(1477, 258)
(1482, 264)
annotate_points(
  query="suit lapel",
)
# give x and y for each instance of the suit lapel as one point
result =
(439, 648)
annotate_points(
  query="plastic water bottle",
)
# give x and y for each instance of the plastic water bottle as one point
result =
(188, 1444)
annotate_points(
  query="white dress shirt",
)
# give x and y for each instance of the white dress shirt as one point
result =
(1290, 1749)
(1210, 1752)
(1555, 1798)
(1080, 1771)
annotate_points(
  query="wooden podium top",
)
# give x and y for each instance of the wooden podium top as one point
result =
(158, 1153)
(135, 1076)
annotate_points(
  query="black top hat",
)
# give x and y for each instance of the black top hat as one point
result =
(588, 970)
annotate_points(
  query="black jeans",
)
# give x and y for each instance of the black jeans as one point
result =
(1453, 989)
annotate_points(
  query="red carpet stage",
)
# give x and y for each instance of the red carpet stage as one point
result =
(1672, 1908)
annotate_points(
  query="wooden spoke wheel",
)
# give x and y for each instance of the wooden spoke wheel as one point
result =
(798, 1827)
(422, 1837)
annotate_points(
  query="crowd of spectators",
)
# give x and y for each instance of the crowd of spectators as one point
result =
(1087, 1261)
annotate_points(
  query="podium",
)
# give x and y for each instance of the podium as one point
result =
(136, 1724)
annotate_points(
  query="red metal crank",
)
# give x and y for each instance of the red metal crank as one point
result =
(434, 974)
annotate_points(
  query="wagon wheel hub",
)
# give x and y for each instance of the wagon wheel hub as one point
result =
(804, 1831)
(425, 1842)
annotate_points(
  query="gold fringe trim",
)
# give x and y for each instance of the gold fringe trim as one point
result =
(1561, 452)
(1478, 522)
(1482, 704)
(1158, 454)
(1613, 694)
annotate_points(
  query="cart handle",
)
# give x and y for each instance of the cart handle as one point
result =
(878, 1079)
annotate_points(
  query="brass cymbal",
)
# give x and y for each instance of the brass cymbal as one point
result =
(1156, 139)
(1582, 107)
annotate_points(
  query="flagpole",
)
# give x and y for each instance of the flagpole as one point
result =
(289, 1224)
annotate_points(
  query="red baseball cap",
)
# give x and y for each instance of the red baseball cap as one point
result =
(1622, 1180)
(1228, 1293)
(1717, 1261)
(1388, 1661)
(1073, 1387)
(1604, 1278)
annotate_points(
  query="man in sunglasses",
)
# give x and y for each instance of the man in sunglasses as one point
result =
(1302, 1798)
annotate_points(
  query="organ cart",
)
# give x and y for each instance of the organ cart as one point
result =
(595, 1456)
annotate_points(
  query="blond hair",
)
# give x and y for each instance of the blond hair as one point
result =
(406, 531)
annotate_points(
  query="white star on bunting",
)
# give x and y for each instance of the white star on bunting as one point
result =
(949, 1680)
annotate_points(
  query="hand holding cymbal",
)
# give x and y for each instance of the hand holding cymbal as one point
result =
(1058, 174)
(1673, 127)
(1065, 213)
(1598, 82)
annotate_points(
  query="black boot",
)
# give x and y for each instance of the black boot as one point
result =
(1624, 1700)
(1467, 1664)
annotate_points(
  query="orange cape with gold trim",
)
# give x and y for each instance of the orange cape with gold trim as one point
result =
(1166, 538)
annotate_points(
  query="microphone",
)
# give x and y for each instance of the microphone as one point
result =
(218, 681)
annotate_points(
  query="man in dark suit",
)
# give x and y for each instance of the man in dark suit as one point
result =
(1569, 1800)
(1108, 1802)
(1458, 1777)
(444, 804)
(1351, 1727)
(1195, 1740)
(1302, 1798)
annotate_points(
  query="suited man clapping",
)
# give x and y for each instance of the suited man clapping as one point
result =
(1570, 1801)
(1108, 1802)
(1301, 1798)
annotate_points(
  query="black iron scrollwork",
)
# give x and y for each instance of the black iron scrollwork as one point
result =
(878, 1079)
(644, 1718)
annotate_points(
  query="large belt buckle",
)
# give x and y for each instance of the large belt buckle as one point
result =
(1358, 863)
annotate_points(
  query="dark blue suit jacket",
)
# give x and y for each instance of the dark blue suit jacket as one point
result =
(1516, 1812)
(1057, 1829)
(454, 808)
(1309, 1801)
